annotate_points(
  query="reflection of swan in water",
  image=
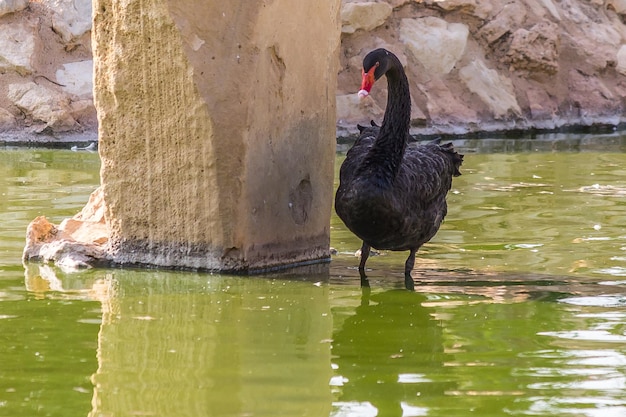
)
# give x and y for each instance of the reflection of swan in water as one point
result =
(385, 355)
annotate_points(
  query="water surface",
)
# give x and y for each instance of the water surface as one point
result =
(520, 307)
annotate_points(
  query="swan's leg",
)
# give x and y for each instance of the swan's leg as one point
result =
(408, 267)
(365, 253)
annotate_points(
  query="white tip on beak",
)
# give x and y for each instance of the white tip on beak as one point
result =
(363, 93)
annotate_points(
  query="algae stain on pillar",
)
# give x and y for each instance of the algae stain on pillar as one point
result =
(217, 130)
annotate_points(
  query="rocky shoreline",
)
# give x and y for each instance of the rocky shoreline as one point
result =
(492, 66)
(475, 68)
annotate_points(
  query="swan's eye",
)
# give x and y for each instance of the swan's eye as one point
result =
(377, 64)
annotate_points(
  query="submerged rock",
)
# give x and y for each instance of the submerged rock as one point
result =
(78, 242)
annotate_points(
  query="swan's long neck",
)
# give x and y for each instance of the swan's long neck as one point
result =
(385, 156)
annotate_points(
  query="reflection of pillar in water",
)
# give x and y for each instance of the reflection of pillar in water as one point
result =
(213, 346)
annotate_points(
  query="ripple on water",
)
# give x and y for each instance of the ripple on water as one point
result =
(597, 301)
(353, 409)
(593, 407)
(577, 382)
(603, 190)
(586, 335)
(617, 271)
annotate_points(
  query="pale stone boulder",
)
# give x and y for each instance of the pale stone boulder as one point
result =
(77, 78)
(43, 105)
(363, 16)
(535, 49)
(12, 6)
(71, 19)
(83, 111)
(495, 90)
(435, 43)
(508, 19)
(597, 43)
(17, 47)
(595, 39)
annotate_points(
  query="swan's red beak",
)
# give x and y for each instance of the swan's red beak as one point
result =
(368, 82)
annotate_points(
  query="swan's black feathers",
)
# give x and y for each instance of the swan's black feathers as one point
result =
(363, 128)
(407, 214)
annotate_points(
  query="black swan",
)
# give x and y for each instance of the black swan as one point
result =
(392, 194)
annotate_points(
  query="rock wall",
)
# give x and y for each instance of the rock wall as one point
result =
(490, 65)
(46, 69)
(473, 65)
(216, 133)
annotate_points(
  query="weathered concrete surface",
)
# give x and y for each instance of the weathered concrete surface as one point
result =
(217, 133)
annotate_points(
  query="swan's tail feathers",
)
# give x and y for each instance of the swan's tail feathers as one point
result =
(362, 128)
(455, 157)
(367, 133)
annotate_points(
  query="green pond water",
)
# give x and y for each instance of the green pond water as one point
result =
(519, 308)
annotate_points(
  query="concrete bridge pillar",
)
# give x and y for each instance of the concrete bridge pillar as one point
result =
(216, 131)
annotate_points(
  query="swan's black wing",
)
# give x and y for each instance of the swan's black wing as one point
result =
(417, 200)
(355, 155)
(406, 214)
(426, 171)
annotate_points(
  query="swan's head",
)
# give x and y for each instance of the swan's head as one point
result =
(375, 64)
